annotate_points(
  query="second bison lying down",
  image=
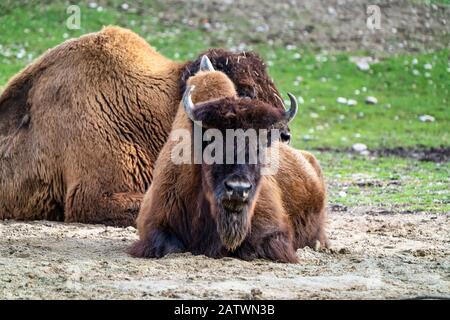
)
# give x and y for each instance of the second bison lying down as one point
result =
(221, 209)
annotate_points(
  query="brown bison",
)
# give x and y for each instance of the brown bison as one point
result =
(81, 127)
(231, 209)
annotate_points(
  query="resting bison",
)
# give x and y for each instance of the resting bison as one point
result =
(81, 127)
(231, 209)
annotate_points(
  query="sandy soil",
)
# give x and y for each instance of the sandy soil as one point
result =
(375, 254)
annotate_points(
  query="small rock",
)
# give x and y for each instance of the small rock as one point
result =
(342, 194)
(256, 293)
(426, 118)
(359, 147)
(331, 11)
(341, 100)
(344, 251)
(352, 102)
(338, 207)
(421, 253)
(371, 100)
(363, 63)
(365, 153)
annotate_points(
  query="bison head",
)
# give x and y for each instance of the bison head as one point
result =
(231, 163)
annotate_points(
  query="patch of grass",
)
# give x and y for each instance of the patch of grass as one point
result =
(442, 2)
(402, 184)
(394, 121)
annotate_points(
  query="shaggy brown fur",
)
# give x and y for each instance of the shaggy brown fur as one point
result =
(245, 69)
(235, 113)
(178, 212)
(81, 128)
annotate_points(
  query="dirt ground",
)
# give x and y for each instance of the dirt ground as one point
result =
(375, 254)
(405, 25)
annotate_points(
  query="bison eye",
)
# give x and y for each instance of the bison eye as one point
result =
(285, 137)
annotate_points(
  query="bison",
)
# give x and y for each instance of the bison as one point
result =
(81, 127)
(231, 209)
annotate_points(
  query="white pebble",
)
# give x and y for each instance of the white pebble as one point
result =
(426, 118)
(363, 65)
(371, 100)
(341, 100)
(359, 147)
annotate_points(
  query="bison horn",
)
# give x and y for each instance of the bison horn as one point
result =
(205, 64)
(188, 104)
(290, 114)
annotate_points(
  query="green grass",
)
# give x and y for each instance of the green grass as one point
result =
(402, 98)
(28, 30)
(399, 184)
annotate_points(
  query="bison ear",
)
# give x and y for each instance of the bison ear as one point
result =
(289, 115)
(205, 64)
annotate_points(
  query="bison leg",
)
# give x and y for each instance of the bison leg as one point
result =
(309, 229)
(276, 246)
(86, 205)
(158, 244)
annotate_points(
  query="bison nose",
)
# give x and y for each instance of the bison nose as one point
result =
(238, 188)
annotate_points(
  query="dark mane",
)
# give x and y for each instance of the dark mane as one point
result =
(246, 69)
(237, 113)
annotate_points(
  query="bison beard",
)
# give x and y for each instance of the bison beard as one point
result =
(232, 226)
